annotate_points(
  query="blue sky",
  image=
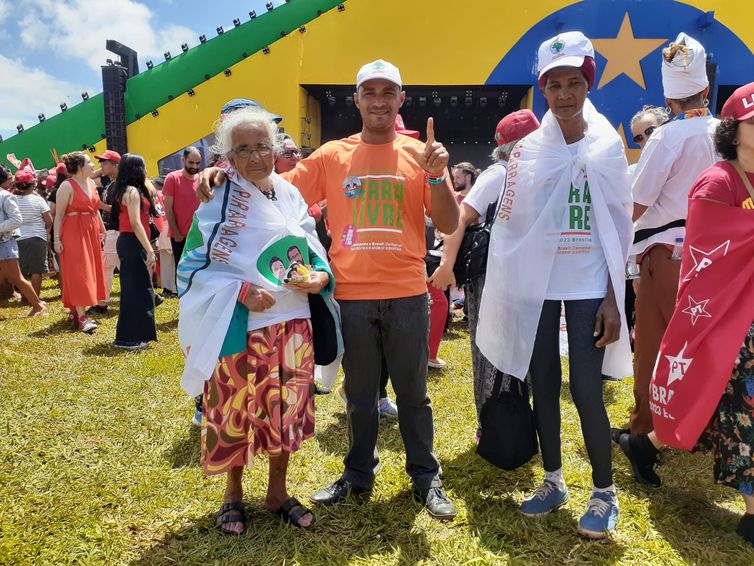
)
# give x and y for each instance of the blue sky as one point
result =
(52, 50)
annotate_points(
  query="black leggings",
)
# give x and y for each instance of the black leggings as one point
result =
(585, 368)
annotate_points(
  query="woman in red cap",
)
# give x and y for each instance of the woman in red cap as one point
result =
(10, 222)
(78, 239)
(32, 244)
(721, 209)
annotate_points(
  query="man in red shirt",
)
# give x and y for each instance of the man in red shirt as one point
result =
(180, 199)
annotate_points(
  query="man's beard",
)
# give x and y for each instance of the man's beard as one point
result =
(458, 189)
(191, 170)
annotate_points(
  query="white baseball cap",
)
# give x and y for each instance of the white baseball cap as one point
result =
(564, 50)
(379, 69)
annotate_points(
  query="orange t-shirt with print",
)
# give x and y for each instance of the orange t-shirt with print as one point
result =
(377, 196)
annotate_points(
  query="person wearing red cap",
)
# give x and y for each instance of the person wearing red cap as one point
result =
(37, 220)
(721, 208)
(482, 197)
(61, 174)
(109, 161)
(10, 223)
(561, 237)
(108, 170)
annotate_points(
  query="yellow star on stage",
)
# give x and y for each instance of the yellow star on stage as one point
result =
(624, 54)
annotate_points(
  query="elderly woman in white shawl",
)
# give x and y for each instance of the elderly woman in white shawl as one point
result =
(562, 235)
(246, 333)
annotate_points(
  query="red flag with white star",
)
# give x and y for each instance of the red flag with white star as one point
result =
(714, 310)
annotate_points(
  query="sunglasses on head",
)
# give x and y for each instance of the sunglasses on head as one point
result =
(648, 132)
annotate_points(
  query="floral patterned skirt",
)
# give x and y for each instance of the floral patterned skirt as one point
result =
(730, 433)
(261, 400)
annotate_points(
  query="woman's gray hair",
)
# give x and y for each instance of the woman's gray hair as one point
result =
(660, 115)
(248, 116)
(503, 152)
(280, 139)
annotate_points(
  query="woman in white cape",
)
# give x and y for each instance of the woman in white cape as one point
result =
(244, 321)
(562, 235)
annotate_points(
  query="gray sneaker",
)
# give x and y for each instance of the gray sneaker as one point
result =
(131, 346)
(388, 408)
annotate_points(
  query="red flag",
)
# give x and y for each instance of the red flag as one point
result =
(715, 308)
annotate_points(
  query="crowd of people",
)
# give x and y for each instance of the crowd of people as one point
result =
(353, 257)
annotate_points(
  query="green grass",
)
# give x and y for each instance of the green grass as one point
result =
(99, 464)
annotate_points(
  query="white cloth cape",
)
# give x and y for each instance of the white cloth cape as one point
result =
(208, 288)
(525, 237)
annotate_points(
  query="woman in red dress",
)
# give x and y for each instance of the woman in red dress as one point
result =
(78, 239)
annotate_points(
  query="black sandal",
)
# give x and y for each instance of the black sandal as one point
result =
(292, 511)
(225, 516)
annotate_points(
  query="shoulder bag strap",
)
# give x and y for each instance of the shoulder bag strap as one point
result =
(744, 177)
(498, 385)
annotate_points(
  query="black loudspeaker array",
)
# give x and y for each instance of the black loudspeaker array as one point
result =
(114, 79)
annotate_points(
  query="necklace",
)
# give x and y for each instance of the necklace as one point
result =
(270, 195)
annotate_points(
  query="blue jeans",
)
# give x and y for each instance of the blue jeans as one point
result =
(399, 329)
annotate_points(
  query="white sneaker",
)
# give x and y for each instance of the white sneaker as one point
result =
(437, 363)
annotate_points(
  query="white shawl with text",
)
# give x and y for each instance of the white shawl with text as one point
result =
(526, 232)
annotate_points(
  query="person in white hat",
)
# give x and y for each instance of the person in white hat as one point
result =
(561, 236)
(674, 156)
(379, 185)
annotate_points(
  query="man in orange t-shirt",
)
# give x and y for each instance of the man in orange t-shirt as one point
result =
(378, 185)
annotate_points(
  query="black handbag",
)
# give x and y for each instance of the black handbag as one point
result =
(471, 261)
(324, 331)
(432, 259)
(154, 232)
(509, 431)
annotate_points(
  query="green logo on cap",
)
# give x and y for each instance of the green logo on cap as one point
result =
(378, 65)
(557, 46)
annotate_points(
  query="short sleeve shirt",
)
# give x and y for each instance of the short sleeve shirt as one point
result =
(377, 196)
(185, 202)
(722, 183)
(674, 156)
(487, 188)
(33, 207)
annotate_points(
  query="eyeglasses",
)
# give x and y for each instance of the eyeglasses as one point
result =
(648, 132)
(291, 153)
(245, 152)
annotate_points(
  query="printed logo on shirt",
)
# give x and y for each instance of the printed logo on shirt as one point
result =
(748, 204)
(376, 214)
(576, 237)
(579, 208)
(352, 187)
(348, 238)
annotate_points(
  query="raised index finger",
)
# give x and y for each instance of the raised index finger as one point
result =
(430, 131)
